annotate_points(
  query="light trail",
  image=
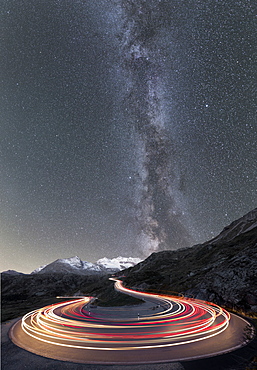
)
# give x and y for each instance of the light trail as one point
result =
(71, 324)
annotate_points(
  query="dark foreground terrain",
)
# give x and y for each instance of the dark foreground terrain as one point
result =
(15, 358)
(222, 270)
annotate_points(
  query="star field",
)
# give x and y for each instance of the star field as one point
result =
(69, 159)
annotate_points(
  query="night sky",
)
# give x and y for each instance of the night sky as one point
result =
(127, 126)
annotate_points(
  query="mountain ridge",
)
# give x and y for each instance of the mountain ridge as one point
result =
(76, 265)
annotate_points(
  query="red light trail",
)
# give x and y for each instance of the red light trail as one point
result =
(165, 328)
(71, 324)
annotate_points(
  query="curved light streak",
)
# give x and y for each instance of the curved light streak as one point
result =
(71, 324)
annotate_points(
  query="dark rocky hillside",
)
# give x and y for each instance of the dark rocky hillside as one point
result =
(222, 270)
(22, 293)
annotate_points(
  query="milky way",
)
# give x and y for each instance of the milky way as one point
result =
(126, 126)
(157, 207)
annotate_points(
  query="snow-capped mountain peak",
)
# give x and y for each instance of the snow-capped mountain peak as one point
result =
(119, 263)
(76, 265)
(72, 261)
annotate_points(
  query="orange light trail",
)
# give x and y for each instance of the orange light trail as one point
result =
(181, 321)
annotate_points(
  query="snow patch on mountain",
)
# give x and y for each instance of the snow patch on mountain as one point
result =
(38, 269)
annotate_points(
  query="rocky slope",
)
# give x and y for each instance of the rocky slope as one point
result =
(222, 270)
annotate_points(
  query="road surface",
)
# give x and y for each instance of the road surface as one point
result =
(163, 329)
